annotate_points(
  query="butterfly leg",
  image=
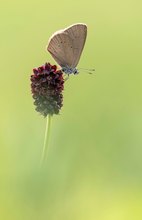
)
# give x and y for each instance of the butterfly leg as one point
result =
(66, 78)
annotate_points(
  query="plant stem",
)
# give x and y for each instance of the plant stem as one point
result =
(46, 140)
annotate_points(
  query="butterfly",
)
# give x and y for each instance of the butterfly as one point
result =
(66, 46)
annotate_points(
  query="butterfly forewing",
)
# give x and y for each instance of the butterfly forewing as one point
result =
(78, 34)
(66, 45)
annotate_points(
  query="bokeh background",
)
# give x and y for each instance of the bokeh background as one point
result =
(94, 167)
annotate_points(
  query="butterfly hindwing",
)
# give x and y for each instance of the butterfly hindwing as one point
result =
(60, 47)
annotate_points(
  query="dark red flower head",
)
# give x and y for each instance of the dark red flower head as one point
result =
(47, 84)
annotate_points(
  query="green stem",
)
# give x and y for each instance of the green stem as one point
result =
(46, 140)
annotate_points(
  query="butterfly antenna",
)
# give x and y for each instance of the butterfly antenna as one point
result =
(90, 71)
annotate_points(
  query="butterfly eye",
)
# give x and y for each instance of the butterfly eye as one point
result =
(76, 71)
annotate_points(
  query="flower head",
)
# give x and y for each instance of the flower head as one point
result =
(47, 84)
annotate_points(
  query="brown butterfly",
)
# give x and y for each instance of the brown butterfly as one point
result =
(66, 46)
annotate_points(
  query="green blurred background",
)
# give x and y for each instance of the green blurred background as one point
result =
(94, 168)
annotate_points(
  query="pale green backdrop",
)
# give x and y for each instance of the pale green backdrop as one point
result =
(94, 168)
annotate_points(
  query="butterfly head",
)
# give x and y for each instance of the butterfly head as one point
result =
(69, 70)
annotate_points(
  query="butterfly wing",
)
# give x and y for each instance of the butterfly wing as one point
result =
(78, 34)
(66, 45)
(60, 47)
